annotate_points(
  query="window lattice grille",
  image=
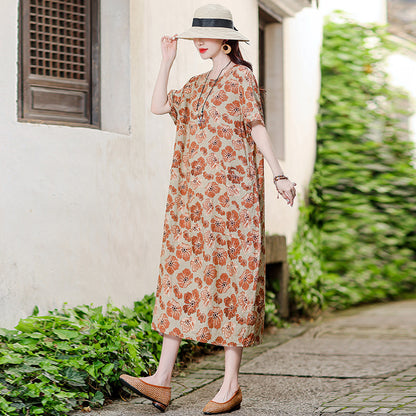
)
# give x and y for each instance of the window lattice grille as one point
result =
(58, 38)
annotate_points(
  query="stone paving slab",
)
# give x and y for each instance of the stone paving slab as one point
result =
(271, 395)
(328, 365)
(393, 395)
(273, 338)
(392, 317)
(345, 345)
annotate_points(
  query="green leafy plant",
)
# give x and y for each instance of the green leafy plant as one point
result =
(272, 317)
(52, 364)
(362, 196)
(305, 283)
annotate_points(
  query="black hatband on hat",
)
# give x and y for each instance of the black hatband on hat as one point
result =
(198, 22)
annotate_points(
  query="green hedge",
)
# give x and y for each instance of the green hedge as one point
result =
(362, 196)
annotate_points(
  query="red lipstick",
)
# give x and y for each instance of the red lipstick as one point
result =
(202, 50)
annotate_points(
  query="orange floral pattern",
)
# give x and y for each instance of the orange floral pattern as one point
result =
(211, 283)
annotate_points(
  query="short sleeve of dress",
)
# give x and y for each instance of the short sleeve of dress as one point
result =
(174, 99)
(251, 106)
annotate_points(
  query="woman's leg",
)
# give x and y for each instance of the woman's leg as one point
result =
(232, 366)
(163, 374)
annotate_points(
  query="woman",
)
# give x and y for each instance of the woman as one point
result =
(211, 284)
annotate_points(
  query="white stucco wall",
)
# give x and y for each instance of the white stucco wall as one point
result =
(302, 38)
(359, 10)
(402, 70)
(81, 210)
(69, 205)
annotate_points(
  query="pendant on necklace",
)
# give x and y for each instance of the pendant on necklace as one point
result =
(200, 121)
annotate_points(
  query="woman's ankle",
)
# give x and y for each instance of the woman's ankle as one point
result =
(231, 384)
(161, 379)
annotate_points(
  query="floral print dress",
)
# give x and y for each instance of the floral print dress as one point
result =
(211, 285)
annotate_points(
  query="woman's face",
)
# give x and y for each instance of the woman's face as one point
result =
(208, 48)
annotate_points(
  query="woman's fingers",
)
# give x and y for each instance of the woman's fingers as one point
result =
(169, 46)
(289, 198)
(170, 38)
(289, 193)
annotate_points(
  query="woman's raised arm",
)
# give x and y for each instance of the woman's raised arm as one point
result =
(160, 104)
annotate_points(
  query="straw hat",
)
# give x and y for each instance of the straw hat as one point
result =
(213, 21)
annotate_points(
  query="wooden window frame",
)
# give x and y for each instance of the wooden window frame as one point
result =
(85, 92)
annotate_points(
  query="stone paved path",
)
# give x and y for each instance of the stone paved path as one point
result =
(358, 362)
(385, 335)
(394, 395)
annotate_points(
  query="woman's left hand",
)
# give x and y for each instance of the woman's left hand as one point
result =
(286, 189)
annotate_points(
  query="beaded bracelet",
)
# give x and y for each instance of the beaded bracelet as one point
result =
(278, 177)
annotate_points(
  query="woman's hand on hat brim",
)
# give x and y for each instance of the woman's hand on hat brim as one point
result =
(169, 45)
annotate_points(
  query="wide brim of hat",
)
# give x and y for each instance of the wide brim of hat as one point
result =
(212, 33)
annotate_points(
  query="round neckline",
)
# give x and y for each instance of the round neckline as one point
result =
(225, 72)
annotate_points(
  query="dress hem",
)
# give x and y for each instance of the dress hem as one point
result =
(232, 344)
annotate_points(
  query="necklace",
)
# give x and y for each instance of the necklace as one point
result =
(200, 115)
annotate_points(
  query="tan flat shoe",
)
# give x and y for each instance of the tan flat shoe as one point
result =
(213, 408)
(160, 395)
